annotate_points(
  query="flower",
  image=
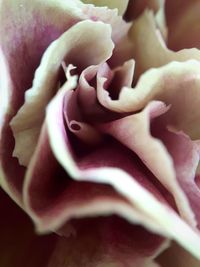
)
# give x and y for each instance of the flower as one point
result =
(99, 129)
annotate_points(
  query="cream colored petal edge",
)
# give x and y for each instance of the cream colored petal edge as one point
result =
(26, 124)
(161, 219)
(154, 53)
(119, 4)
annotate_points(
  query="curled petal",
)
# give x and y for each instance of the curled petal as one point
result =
(134, 132)
(185, 155)
(172, 84)
(156, 216)
(67, 48)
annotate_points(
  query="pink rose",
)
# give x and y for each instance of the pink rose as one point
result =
(99, 133)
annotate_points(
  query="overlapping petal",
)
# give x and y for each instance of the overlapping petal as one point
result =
(27, 123)
(156, 216)
(155, 52)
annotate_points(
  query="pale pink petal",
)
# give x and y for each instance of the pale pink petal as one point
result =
(27, 123)
(120, 5)
(26, 29)
(156, 216)
(183, 24)
(185, 155)
(47, 197)
(52, 198)
(154, 53)
(134, 132)
(19, 244)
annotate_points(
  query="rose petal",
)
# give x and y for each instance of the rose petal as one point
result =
(134, 132)
(157, 217)
(120, 5)
(67, 47)
(154, 53)
(19, 245)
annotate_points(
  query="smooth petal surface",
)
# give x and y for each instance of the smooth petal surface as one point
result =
(154, 53)
(19, 245)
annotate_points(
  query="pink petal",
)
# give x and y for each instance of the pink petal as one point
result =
(22, 27)
(19, 245)
(185, 155)
(27, 122)
(134, 132)
(156, 216)
(33, 27)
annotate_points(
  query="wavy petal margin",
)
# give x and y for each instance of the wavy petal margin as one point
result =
(155, 216)
(27, 122)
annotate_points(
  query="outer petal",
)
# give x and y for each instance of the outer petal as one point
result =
(26, 30)
(154, 53)
(19, 245)
(27, 122)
